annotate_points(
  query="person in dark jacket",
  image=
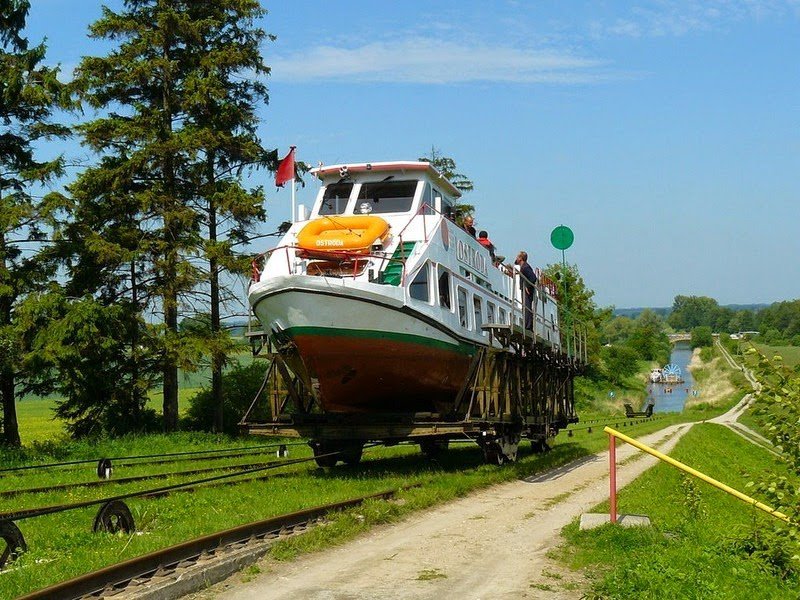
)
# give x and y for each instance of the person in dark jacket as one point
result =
(528, 285)
(469, 225)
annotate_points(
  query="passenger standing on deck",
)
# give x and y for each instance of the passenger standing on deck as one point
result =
(469, 225)
(527, 284)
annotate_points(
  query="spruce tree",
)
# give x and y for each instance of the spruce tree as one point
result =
(29, 93)
(225, 90)
(145, 155)
(178, 96)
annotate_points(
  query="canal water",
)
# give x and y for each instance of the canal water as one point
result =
(673, 401)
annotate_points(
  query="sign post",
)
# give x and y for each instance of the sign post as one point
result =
(562, 237)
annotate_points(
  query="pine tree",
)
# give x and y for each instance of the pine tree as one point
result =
(221, 102)
(29, 92)
(186, 76)
(448, 169)
(146, 154)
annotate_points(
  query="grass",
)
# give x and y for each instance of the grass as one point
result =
(593, 396)
(696, 546)
(790, 354)
(716, 383)
(62, 545)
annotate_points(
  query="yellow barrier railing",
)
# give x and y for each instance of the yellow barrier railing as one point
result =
(612, 463)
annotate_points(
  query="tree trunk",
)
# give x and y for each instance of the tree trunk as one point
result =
(217, 357)
(10, 424)
(7, 382)
(171, 234)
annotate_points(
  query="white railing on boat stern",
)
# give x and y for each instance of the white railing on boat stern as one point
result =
(358, 261)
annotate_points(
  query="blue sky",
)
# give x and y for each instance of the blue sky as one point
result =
(665, 134)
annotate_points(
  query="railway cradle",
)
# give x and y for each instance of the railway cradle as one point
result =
(523, 389)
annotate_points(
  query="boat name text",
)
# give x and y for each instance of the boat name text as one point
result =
(469, 256)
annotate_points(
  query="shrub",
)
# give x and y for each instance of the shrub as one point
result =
(701, 336)
(239, 386)
(620, 362)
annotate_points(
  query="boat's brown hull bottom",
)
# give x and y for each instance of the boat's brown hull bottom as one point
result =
(383, 374)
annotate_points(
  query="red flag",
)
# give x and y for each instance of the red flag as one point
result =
(285, 169)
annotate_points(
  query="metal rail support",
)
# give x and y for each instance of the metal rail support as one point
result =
(613, 434)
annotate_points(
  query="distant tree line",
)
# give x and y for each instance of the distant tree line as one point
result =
(95, 279)
(778, 324)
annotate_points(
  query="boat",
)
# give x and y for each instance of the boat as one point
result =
(383, 295)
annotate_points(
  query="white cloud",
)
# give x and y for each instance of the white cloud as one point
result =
(430, 61)
(662, 18)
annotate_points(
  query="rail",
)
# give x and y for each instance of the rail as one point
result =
(118, 576)
(613, 435)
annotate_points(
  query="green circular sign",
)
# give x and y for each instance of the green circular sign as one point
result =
(562, 237)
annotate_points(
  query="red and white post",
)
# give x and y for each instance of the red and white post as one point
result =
(612, 477)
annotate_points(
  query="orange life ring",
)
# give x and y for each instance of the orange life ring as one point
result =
(342, 234)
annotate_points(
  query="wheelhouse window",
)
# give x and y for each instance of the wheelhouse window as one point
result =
(420, 288)
(503, 316)
(477, 309)
(463, 317)
(335, 198)
(385, 197)
(444, 287)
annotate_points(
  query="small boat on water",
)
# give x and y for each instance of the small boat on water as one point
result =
(378, 301)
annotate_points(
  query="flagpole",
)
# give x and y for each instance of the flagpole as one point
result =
(294, 210)
(294, 206)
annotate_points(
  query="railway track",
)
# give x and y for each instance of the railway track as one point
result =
(168, 562)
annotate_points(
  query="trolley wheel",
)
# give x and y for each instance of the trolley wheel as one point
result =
(114, 516)
(540, 446)
(433, 448)
(323, 454)
(493, 456)
(14, 542)
(351, 453)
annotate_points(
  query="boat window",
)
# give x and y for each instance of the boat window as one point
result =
(442, 204)
(427, 199)
(462, 307)
(419, 289)
(335, 198)
(444, 287)
(503, 317)
(477, 309)
(385, 197)
(490, 312)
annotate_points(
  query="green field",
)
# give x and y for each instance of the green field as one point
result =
(790, 354)
(703, 543)
(37, 422)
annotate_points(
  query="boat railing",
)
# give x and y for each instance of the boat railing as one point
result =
(569, 336)
(342, 256)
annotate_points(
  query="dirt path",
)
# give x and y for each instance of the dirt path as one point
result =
(491, 544)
